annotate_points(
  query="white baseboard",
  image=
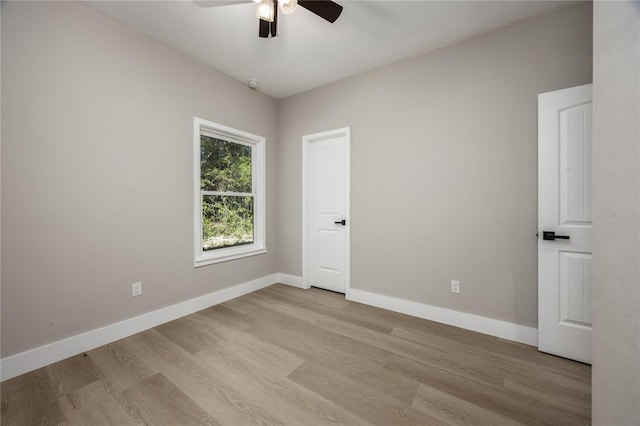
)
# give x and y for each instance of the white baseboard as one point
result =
(292, 280)
(30, 360)
(490, 326)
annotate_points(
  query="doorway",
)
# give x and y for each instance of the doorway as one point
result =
(325, 213)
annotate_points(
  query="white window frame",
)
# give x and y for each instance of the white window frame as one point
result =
(258, 177)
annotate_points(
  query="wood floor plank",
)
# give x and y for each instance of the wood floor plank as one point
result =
(357, 398)
(548, 377)
(94, 404)
(368, 372)
(474, 367)
(275, 359)
(30, 399)
(220, 402)
(157, 401)
(283, 355)
(306, 333)
(243, 305)
(480, 348)
(498, 351)
(182, 333)
(536, 390)
(120, 368)
(518, 407)
(227, 316)
(401, 321)
(73, 373)
(215, 329)
(455, 411)
(331, 310)
(564, 366)
(309, 349)
(285, 399)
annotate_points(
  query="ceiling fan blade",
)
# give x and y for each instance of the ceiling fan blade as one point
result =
(273, 28)
(264, 28)
(325, 9)
(216, 3)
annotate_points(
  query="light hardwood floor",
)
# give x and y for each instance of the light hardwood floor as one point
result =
(303, 357)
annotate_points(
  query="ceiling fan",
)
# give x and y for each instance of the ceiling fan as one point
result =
(267, 11)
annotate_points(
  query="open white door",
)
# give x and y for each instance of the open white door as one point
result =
(326, 210)
(564, 223)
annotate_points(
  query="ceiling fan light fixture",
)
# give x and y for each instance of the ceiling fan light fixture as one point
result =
(288, 6)
(266, 10)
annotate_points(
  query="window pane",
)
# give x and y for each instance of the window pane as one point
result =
(227, 221)
(224, 166)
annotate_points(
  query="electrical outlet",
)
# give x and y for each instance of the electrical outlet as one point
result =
(136, 289)
(455, 286)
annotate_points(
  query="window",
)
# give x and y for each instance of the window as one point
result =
(229, 193)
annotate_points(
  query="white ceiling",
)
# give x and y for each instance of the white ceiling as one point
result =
(310, 52)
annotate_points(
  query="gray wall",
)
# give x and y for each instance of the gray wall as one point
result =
(443, 166)
(97, 172)
(616, 207)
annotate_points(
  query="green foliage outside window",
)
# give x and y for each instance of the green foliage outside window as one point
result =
(227, 219)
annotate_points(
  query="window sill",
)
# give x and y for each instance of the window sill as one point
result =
(226, 256)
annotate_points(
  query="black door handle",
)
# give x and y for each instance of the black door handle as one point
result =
(551, 236)
(342, 222)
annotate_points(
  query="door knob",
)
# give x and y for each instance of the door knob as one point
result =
(342, 222)
(551, 236)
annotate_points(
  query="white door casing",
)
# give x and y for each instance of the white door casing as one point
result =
(325, 205)
(564, 207)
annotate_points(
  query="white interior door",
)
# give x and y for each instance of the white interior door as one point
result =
(564, 210)
(326, 210)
